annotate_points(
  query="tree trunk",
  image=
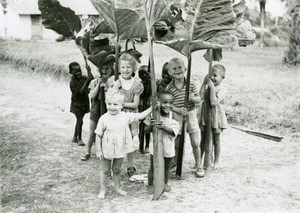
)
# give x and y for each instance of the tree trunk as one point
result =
(262, 6)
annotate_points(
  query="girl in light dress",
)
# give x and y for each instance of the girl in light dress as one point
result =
(132, 89)
(217, 99)
(115, 138)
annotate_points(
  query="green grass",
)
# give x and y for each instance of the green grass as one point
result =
(263, 92)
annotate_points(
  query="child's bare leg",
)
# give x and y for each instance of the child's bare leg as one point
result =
(105, 172)
(117, 163)
(92, 136)
(217, 149)
(174, 159)
(196, 147)
(167, 173)
(202, 145)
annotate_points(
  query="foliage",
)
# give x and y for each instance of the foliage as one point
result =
(58, 18)
(292, 55)
(212, 26)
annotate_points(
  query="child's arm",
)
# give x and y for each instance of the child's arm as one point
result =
(134, 104)
(165, 128)
(213, 98)
(94, 89)
(182, 111)
(99, 152)
(149, 128)
(89, 72)
(85, 85)
(202, 88)
(144, 114)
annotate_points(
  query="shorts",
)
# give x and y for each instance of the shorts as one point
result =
(214, 130)
(192, 125)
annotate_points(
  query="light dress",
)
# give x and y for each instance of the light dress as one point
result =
(218, 116)
(115, 133)
(168, 140)
(130, 88)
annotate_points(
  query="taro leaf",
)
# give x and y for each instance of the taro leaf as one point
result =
(58, 18)
(119, 20)
(212, 26)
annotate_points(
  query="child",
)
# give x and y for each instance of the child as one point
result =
(177, 87)
(80, 103)
(98, 87)
(165, 78)
(132, 89)
(170, 129)
(217, 100)
(144, 75)
(115, 138)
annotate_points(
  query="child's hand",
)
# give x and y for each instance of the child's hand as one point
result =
(152, 122)
(160, 125)
(210, 83)
(183, 111)
(157, 104)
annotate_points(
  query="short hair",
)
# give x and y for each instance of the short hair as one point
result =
(220, 69)
(165, 92)
(113, 93)
(73, 64)
(175, 60)
(130, 58)
(143, 68)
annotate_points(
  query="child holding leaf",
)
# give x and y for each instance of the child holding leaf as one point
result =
(170, 129)
(98, 88)
(218, 117)
(177, 87)
(80, 103)
(132, 88)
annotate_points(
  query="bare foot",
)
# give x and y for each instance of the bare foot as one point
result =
(150, 189)
(216, 165)
(167, 188)
(101, 195)
(121, 192)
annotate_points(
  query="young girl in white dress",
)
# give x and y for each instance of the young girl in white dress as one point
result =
(114, 138)
(132, 89)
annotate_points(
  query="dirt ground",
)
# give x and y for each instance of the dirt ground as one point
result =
(41, 169)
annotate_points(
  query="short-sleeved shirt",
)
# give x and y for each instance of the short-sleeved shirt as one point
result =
(80, 103)
(179, 94)
(168, 140)
(115, 133)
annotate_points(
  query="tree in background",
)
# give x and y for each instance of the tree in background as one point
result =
(292, 55)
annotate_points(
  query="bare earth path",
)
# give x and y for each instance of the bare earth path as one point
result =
(41, 169)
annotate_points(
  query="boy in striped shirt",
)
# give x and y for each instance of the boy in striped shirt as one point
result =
(177, 87)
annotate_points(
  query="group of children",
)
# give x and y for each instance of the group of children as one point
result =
(115, 118)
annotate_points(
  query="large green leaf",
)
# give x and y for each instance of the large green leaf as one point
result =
(212, 26)
(58, 18)
(124, 22)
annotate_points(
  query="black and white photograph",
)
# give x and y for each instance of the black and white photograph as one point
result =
(150, 106)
